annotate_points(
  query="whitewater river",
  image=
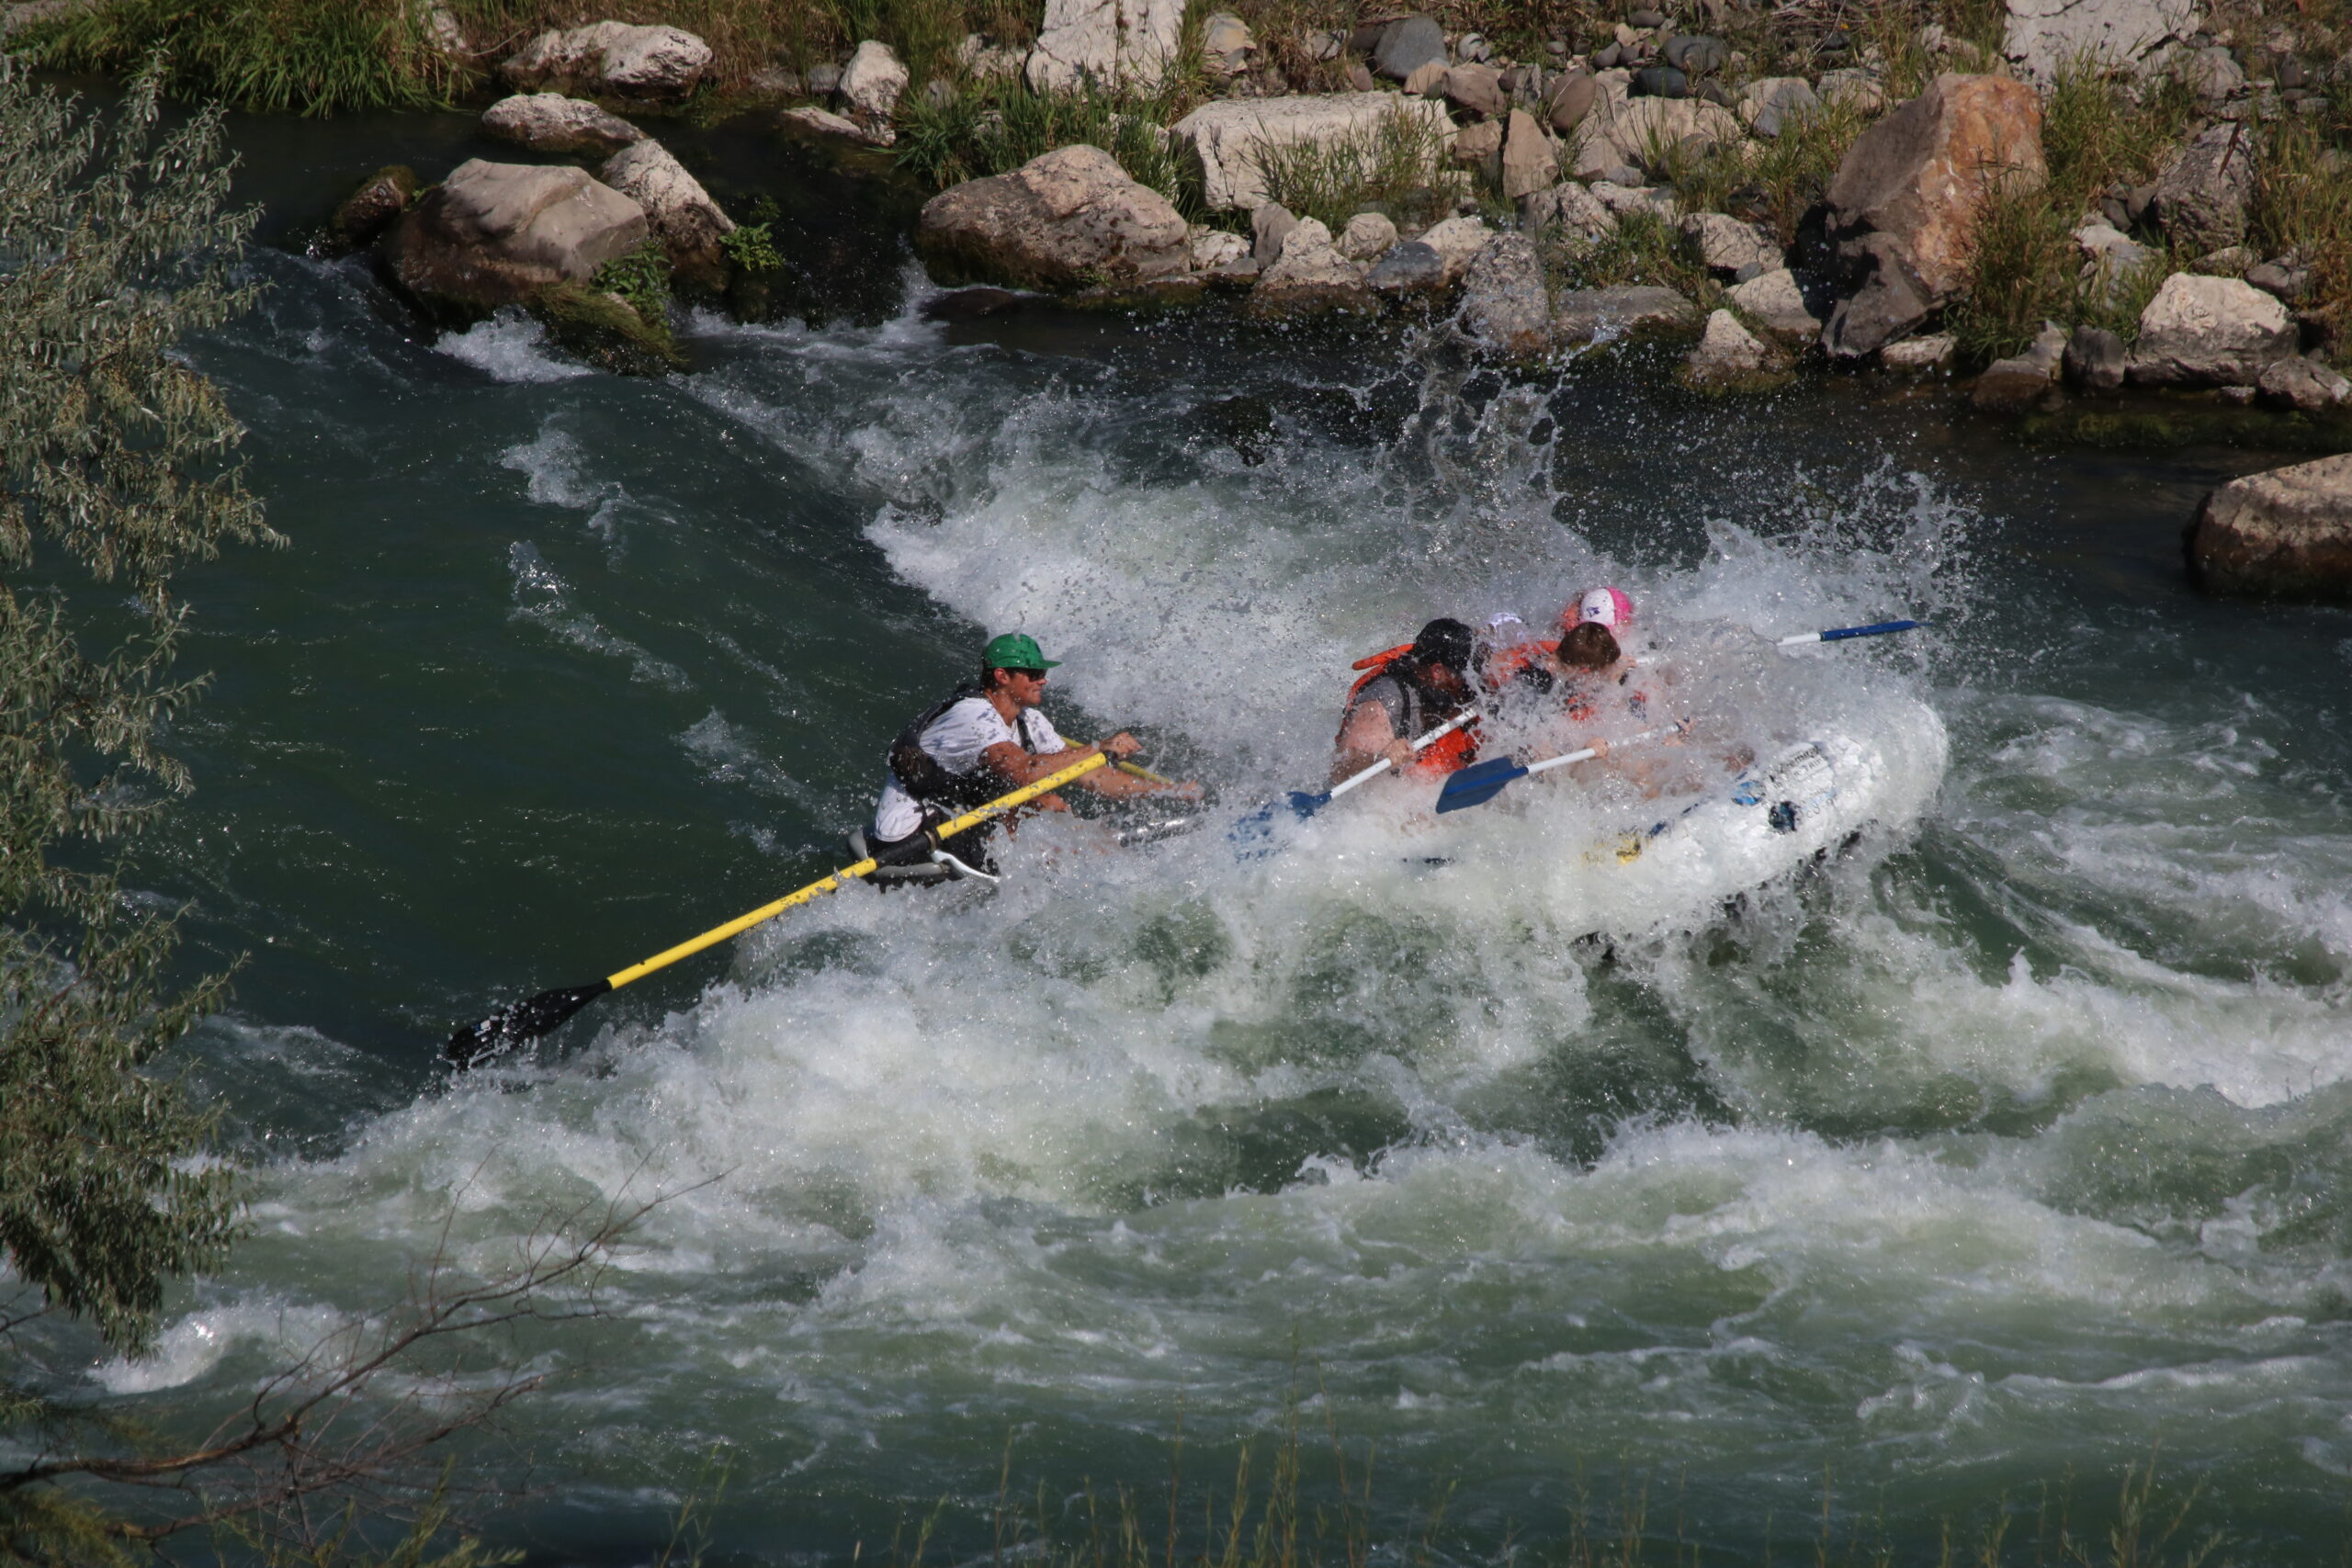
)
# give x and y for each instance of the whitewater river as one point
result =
(2012, 1146)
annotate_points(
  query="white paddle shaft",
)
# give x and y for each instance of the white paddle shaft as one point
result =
(1382, 766)
(1591, 751)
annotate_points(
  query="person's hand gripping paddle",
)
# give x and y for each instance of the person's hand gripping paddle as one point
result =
(518, 1023)
(1252, 831)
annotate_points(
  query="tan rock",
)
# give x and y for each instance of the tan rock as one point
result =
(2287, 532)
(549, 122)
(496, 233)
(1729, 355)
(1063, 219)
(1529, 161)
(1309, 277)
(1934, 352)
(2211, 332)
(1367, 237)
(611, 57)
(1428, 81)
(1457, 243)
(1232, 137)
(1774, 302)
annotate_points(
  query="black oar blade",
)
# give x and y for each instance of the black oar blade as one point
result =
(1479, 784)
(516, 1022)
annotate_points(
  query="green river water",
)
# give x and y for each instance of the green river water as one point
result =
(2005, 1148)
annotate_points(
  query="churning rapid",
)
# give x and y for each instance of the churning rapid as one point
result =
(2009, 1143)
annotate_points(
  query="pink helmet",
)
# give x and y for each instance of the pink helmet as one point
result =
(1610, 607)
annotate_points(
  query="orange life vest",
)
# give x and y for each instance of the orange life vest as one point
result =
(1503, 664)
(1455, 748)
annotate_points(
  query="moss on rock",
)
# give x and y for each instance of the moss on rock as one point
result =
(606, 331)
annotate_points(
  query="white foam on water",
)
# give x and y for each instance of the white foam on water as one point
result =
(543, 599)
(510, 346)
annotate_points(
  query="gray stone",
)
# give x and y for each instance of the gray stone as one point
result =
(2284, 278)
(2042, 35)
(824, 122)
(823, 78)
(1217, 249)
(1570, 208)
(1505, 308)
(1106, 42)
(1232, 137)
(2008, 383)
(1310, 276)
(613, 57)
(2214, 73)
(1529, 161)
(369, 209)
(1768, 105)
(1412, 267)
(1477, 90)
(1269, 227)
(1226, 44)
(2209, 332)
(1569, 99)
(872, 82)
(2203, 195)
(1457, 242)
(1696, 53)
(1620, 129)
(2095, 359)
(1661, 82)
(1776, 301)
(1604, 315)
(2287, 534)
(549, 122)
(1407, 45)
(1474, 48)
(1064, 220)
(2302, 384)
(496, 235)
(1732, 249)
(1855, 89)
(1367, 237)
(679, 211)
(1658, 201)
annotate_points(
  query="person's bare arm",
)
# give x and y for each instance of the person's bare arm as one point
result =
(1367, 736)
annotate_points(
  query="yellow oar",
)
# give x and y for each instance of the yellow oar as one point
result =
(529, 1019)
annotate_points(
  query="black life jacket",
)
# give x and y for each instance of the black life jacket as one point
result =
(931, 784)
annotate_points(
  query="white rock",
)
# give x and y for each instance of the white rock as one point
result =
(1572, 209)
(677, 208)
(1767, 106)
(1367, 237)
(549, 122)
(1310, 275)
(1232, 136)
(1457, 243)
(1931, 352)
(1109, 42)
(2209, 332)
(1774, 299)
(614, 57)
(1727, 352)
(1621, 131)
(1217, 249)
(1658, 201)
(1063, 219)
(1737, 249)
(2041, 34)
(825, 122)
(1227, 43)
(872, 82)
(495, 233)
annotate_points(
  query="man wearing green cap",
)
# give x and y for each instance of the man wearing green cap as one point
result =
(984, 741)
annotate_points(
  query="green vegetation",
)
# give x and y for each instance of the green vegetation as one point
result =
(1644, 248)
(642, 277)
(1397, 168)
(2302, 205)
(751, 247)
(993, 128)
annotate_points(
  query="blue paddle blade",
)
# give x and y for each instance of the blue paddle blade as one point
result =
(1304, 804)
(1479, 784)
(1841, 633)
(1252, 838)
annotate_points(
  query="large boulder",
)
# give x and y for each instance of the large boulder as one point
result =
(1620, 131)
(549, 122)
(613, 57)
(1506, 310)
(2287, 532)
(679, 211)
(496, 235)
(1904, 205)
(1106, 42)
(2140, 35)
(1309, 277)
(2204, 193)
(1063, 219)
(1233, 138)
(2209, 332)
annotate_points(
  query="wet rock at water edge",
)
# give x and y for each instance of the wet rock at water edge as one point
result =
(2095, 359)
(549, 122)
(680, 212)
(2025, 377)
(615, 59)
(2209, 332)
(2304, 385)
(494, 234)
(1903, 204)
(1065, 219)
(971, 304)
(2284, 534)
(1586, 315)
(370, 209)
(1457, 242)
(1506, 310)
(1777, 301)
(1934, 352)
(825, 122)
(1310, 277)
(1410, 268)
(1217, 249)
(1405, 45)
(1730, 359)
(1269, 225)
(2201, 196)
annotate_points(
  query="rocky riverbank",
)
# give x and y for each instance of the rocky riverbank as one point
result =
(2076, 199)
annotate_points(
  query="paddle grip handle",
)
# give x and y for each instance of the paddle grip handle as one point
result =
(1382, 766)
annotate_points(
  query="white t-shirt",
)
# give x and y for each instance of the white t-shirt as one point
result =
(955, 739)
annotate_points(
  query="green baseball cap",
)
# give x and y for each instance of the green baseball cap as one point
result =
(1014, 651)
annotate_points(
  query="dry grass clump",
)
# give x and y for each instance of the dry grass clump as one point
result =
(1774, 182)
(2303, 204)
(993, 127)
(1397, 168)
